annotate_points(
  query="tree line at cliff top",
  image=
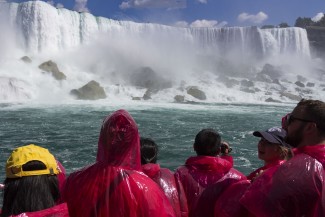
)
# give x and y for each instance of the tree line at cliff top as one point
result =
(302, 22)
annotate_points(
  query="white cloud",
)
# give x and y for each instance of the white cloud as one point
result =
(81, 6)
(318, 17)
(258, 18)
(125, 5)
(207, 23)
(181, 24)
(59, 5)
(50, 2)
(169, 4)
(201, 23)
(203, 1)
(222, 24)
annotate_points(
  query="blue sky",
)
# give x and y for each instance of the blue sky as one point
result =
(199, 13)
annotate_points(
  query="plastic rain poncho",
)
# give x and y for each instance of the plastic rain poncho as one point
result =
(228, 204)
(167, 182)
(114, 185)
(56, 211)
(204, 178)
(262, 169)
(297, 188)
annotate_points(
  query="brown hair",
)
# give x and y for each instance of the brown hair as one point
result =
(314, 110)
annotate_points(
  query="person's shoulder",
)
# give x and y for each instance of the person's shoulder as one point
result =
(301, 160)
(166, 171)
(181, 168)
(84, 169)
(236, 174)
(79, 175)
(300, 167)
(143, 182)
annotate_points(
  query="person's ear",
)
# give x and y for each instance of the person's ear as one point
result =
(311, 127)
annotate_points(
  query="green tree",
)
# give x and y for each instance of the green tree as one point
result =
(267, 27)
(283, 25)
(321, 22)
(304, 22)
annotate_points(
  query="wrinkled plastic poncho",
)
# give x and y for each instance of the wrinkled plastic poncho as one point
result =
(228, 158)
(254, 174)
(167, 182)
(296, 188)
(228, 204)
(114, 185)
(204, 178)
(316, 151)
(56, 211)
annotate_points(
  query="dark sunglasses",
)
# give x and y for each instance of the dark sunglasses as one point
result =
(290, 118)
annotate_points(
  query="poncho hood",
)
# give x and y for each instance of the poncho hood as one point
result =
(119, 143)
(151, 169)
(209, 163)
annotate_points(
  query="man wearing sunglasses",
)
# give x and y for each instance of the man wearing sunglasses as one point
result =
(297, 188)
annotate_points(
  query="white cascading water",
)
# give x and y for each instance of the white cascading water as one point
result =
(88, 48)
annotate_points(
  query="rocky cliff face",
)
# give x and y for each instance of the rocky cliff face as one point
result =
(316, 36)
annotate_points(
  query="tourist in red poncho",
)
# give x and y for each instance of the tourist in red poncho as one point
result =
(114, 185)
(273, 150)
(205, 176)
(163, 177)
(297, 187)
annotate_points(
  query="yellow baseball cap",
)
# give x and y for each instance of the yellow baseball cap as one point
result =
(25, 154)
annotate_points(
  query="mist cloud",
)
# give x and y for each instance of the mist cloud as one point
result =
(203, 1)
(50, 2)
(207, 23)
(169, 4)
(257, 19)
(318, 17)
(81, 6)
(181, 24)
(59, 5)
(201, 24)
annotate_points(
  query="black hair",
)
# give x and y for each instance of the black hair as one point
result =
(314, 110)
(149, 150)
(207, 143)
(30, 193)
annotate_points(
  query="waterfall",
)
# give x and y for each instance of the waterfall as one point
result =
(226, 63)
(43, 28)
